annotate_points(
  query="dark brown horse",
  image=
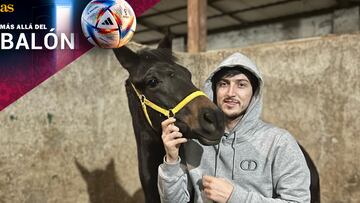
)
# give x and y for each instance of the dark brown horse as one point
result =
(314, 175)
(156, 76)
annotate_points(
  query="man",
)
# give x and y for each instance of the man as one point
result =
(254, 161)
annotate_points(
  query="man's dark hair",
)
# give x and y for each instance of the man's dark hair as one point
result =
(232, 71)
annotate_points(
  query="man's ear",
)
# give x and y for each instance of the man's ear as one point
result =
(127, 58)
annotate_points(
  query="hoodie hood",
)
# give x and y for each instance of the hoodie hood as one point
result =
(253, 112)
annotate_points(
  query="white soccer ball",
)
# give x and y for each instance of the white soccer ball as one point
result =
(108, 23)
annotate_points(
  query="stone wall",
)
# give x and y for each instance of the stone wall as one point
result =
(72, 135)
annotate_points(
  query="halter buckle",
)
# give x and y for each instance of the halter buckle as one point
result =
(142, 98)
(171, 114)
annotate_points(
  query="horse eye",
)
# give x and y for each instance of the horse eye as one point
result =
(152, 82)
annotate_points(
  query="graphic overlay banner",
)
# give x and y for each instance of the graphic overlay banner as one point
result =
(40, 37)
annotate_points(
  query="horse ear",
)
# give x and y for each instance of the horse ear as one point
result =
(84, 172)
(166, 42)
(111, 165)
(127, 58)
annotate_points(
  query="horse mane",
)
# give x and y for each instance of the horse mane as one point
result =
(157, 55)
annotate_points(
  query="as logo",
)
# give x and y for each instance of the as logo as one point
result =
(6, 8)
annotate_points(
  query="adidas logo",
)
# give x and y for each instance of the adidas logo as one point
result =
(107, 22)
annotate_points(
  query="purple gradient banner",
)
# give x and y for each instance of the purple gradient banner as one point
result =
(27, 54)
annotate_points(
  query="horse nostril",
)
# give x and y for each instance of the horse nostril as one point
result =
(208, 117)
(208, 120)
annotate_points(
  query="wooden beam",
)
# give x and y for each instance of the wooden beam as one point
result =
(151, 27)
(343, 3)
(157, 13)
(196, 25)
(247, 25)
(231, 13)
(162, 12)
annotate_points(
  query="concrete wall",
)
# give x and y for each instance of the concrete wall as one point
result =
(312, 88)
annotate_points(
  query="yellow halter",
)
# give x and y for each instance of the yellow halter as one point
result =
(168, 113)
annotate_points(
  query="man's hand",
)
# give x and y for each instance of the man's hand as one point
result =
(172, 139)
(217, 189)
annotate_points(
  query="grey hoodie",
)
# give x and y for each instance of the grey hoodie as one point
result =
(264, 163)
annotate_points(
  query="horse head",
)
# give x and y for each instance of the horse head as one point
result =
(156, 77)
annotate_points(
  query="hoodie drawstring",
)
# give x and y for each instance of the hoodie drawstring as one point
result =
(234, 157)
(218, 156)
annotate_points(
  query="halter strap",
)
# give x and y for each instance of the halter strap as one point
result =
(168, 113)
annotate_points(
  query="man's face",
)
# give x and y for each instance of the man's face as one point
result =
(234, 95)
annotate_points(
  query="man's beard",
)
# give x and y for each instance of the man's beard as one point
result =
(236, 115)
